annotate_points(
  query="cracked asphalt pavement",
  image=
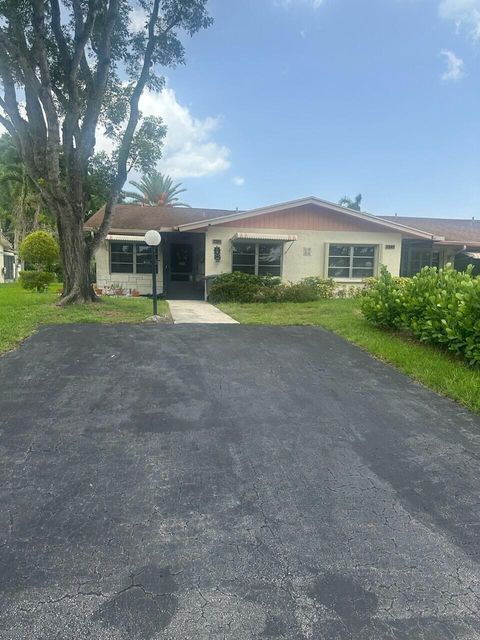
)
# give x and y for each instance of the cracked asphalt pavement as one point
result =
(231, 482)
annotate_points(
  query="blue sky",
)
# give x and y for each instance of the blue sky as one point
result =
(284, 99)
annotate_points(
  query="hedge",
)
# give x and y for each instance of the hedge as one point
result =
(36, 280)
(437, 306)
(246, 287)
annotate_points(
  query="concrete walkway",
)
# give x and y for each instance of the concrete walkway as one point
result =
(197, 312)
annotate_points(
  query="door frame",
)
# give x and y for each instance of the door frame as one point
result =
(196, 291)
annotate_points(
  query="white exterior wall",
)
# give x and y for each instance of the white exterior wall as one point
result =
(128, 281)
(2, 264)
(3, 253)
(297, 265)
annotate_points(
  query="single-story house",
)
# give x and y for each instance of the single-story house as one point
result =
(293, 240)
(8, 261)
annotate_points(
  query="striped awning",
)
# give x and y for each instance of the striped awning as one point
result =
(265, 236)
(125, 238)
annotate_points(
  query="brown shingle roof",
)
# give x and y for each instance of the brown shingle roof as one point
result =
(463, 231)
(133, 217)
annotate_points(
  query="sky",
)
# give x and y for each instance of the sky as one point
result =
(282, 99)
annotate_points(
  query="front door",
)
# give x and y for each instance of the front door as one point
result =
(183, 281)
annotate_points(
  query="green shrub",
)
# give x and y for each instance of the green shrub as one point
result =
(40, 251)
(36, 280)
(325, 287)
(370, 283)
(292, 292)
(236, 287)
(382, 303)
(245, 287)
(443, 307)
(437, 306)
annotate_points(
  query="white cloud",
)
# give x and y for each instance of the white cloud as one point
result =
(239, 181)
(189, 149)
(455, 67)
(464, 13)
(138, 19)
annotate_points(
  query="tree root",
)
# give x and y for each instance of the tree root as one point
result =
(75, 296)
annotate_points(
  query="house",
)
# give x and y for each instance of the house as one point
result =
(457, 242)
(8, 262)
(293, 240)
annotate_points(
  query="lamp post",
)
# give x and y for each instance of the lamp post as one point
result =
(153, 239)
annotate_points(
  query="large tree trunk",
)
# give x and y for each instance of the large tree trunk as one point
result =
(75, 257)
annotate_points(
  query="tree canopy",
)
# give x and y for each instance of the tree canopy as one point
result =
(352, 204)
(68, 67)
(156, 189)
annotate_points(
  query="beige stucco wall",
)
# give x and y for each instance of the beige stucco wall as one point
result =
(298, 265)
(128, 281)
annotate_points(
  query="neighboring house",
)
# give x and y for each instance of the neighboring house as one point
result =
(457, 242)
(307, 237)
(8, 261)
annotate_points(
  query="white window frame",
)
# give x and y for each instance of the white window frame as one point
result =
(257, 244)
(352, 245)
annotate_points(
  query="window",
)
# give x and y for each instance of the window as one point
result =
(130, 257)
(121, 257)
(421, 256)
(259, 258)
(143, 258)
(351, 261)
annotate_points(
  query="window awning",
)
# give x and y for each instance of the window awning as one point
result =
(264, 236)
(122, 238)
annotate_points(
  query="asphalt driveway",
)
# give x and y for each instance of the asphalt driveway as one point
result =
(231, 482)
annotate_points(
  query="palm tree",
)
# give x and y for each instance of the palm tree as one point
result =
(24, 201)
(351, 204)
(156, 190)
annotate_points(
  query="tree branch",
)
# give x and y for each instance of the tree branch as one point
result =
(99, 83)
(129, 131)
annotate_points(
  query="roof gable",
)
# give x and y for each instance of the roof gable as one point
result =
(315, 206)
(304, 217)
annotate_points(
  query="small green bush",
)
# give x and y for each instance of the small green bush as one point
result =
(40, 251)
(437, 306)
(293, 292)
(235, 287)
(325, 287)
(382, 304)
(36, 280)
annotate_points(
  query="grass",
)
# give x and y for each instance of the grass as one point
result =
(433, 367)
(21, 312)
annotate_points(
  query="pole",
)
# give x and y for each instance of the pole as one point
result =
(154, 280)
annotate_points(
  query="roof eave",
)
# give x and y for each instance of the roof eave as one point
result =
(132, 231)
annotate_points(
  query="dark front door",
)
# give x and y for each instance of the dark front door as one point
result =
(183, 278)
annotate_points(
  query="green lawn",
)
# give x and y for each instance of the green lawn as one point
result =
(434, 368)
(21, 312)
